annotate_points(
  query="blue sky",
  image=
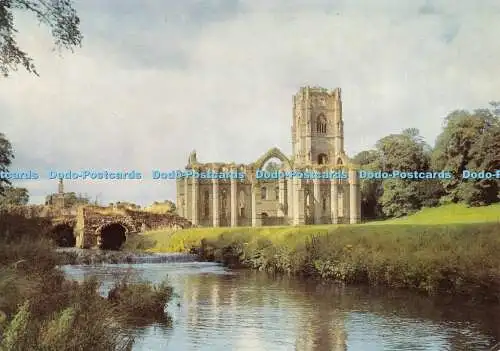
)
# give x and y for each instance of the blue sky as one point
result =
(150, 73)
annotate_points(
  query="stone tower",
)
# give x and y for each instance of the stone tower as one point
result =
(317, 130)
(60, 187)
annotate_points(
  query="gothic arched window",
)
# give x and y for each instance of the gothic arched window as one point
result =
(322, 159)
(263, 193)
(321, 124)
(242, 203)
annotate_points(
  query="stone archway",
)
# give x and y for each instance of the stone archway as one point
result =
(112, 236)
(64, 235)
(273, 153)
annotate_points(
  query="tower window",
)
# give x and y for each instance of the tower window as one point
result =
(263, 193)
(322, 159)
(321, 124)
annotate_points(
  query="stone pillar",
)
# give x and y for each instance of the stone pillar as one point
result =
(354, 198)
(345, 208)
(179, 185)
(256, 214)
(282, 198)
(298, 206)
(186, 198)
(215, 202)
(196, 196)
(317, 201)
(334, 198)
(234, 203)
(290, 201)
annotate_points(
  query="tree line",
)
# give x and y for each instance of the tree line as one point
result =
(469, 140)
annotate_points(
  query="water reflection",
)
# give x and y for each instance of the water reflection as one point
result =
(221, 310)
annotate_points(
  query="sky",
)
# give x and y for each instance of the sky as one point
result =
(155, 79)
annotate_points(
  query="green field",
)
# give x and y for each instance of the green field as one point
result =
(455, 214)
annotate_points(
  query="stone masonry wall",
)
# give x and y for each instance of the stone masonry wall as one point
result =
(92, 221)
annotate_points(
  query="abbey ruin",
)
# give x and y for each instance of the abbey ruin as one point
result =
(318, 145)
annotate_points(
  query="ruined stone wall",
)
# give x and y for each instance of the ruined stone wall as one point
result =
(90, 221)
(147, 220)
(32, 211)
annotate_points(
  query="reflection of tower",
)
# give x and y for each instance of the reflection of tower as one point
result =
(323, 330)
(215, 291)
(305, 336)
(338, 335)
(192, 292)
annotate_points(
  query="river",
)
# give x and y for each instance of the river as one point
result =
(219, 309)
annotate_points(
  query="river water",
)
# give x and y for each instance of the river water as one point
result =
(219, 309)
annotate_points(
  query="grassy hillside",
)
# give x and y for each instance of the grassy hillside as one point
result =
(455, 213)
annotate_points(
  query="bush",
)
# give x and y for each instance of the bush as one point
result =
(141, 302)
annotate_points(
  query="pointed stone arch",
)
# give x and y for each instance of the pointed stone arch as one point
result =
(321, 123)
(341, 160)
(273, 153)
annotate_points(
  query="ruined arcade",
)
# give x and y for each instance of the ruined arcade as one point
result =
(317, 144)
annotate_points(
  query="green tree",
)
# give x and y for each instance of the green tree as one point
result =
(366, 157)
(171, 205)
(406, 152)
(6, 157)
(371, 189)
(272, 166)
(14, 196)
(73, 199)
(469, 141)
(58, 15)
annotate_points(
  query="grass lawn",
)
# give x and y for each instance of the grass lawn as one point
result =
(455, 213)
(449, 215)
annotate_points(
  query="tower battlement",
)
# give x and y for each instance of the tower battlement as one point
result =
(306, 91)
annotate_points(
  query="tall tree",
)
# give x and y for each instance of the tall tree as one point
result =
(469, 141)
(371, 189)
(58, 15)
(6, 157)
(406, 152)
(13, 196)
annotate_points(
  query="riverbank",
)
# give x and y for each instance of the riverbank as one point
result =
(73, 256)
(42, 310)
(456, 258)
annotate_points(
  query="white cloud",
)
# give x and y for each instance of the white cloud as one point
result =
(146, 89)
